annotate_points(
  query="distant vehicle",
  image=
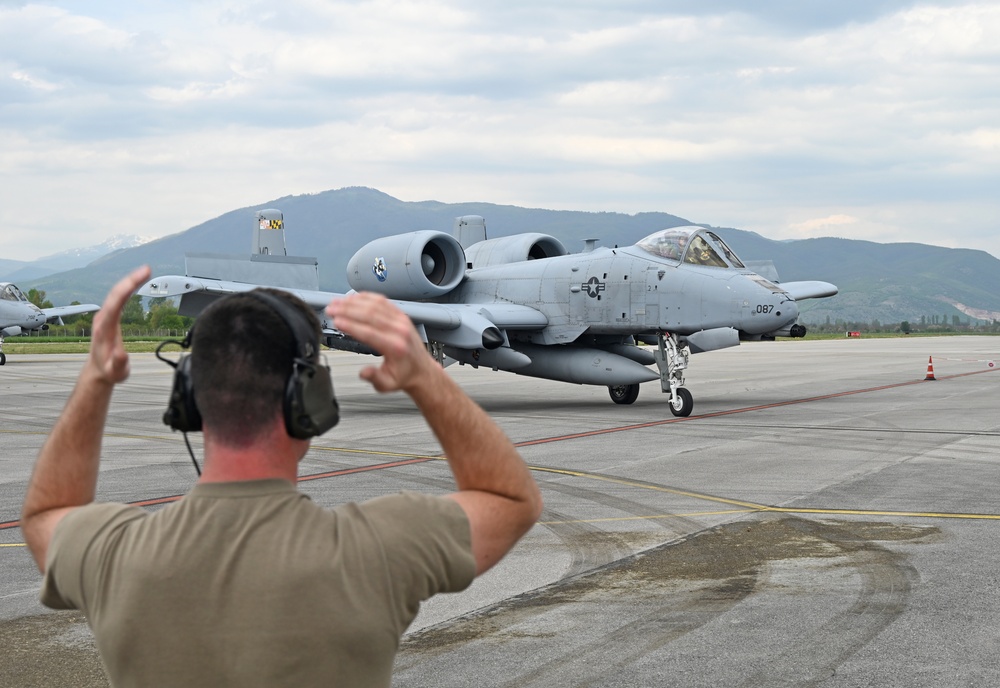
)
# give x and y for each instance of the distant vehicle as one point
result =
(18, 314)
(524, 304)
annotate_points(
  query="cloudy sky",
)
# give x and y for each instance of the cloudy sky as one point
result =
(873, 119)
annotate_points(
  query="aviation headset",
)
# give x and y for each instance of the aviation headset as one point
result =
(309, 407)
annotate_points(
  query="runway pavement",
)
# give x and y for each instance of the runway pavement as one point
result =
(826, 517)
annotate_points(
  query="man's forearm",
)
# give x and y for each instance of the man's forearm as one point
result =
(495, 487)
(480, 453)
(65, 473)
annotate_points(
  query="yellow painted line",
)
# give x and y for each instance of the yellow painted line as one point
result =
(742, 505)
(14, 544)
(753, 507)
(876, 512)
(656, 488)
(652, 517)
(46, 433)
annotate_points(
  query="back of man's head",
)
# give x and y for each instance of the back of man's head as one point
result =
(242, 354)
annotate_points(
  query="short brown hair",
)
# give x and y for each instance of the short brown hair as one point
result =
(242, 354)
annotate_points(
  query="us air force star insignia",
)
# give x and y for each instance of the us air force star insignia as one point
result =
(379, 269)
(593, 286)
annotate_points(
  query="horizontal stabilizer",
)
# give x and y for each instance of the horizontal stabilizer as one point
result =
(283, 272)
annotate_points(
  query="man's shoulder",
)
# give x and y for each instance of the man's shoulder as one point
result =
(404, 514)
(97, 515)
(408, 503)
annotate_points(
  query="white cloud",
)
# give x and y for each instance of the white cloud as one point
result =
(33, 82)
(787, 119)
(821, 226)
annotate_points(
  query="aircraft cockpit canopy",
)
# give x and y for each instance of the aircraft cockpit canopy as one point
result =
(10, 292)
(692, 245)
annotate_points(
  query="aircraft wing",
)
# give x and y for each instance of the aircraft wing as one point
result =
(461, 325)
(810, 289)
(57, 313)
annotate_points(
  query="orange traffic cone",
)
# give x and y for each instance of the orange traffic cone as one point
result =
(930, 369)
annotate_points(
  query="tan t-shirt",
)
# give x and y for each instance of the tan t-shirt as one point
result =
(252, 584)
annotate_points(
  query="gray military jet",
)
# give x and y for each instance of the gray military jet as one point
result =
(524, 304)
(19, 315)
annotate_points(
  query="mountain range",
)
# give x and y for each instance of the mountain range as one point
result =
(884, 282)
(21, 271)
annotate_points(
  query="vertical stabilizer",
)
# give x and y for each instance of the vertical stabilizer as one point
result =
(269, 234)
(469, 230)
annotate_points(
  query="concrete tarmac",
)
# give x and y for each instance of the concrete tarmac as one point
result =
(826, 517)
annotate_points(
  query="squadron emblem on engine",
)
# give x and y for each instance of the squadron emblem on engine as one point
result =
(379, 269)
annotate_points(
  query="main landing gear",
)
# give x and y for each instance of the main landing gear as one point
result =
(671, 358)
(624, 394)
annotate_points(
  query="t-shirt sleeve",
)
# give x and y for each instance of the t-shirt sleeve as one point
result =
(427, 542)
(74, 555)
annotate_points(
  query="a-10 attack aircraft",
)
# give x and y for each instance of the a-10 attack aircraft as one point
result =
(18, 315)
(523, 304)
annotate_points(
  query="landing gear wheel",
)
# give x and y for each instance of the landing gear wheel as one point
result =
(685, 403)
(623, 394)
(3, 359)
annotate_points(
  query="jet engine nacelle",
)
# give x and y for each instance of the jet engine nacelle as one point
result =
(414, 266)
(514, 249)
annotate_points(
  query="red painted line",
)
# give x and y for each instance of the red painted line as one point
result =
(747, 409)
(365, 469)
(590, 433)
(6, 525)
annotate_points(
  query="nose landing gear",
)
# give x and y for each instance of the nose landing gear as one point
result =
(672, 359)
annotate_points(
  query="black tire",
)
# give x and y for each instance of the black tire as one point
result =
(686, 403)
(3, 358)
(624, 394)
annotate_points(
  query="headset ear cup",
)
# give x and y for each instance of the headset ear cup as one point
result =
(310, 405)
(182, 411)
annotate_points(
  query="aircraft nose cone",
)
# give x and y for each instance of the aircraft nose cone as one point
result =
(789, 311)
(492, 338)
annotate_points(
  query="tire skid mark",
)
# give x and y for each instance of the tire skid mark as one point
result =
(656, 597)
(592, 547)
(588, 546)
(677, 525)
(673, 617)
(886, 581)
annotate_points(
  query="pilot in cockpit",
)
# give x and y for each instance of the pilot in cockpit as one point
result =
(702, 253)
(11, 293)
(672, 246)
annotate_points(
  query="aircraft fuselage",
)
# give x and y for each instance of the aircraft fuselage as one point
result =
(16, 311)
(624, 291)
